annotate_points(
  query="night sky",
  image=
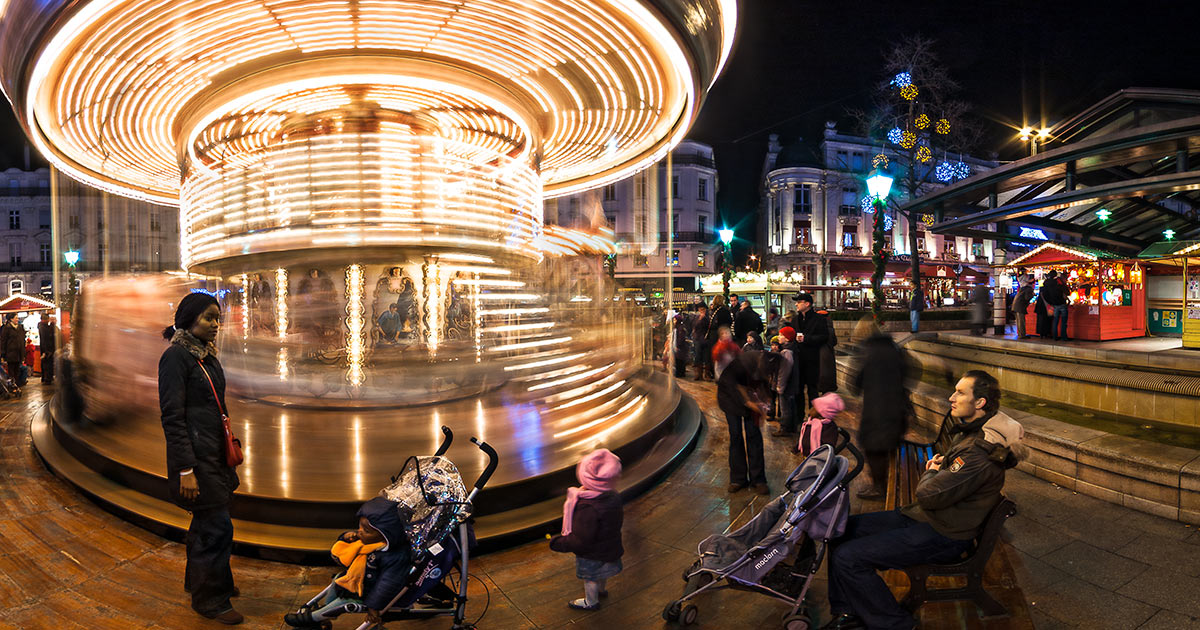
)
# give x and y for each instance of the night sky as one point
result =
(798, 63)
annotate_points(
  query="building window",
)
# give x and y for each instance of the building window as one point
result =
(610, 192)
(802, 201)
(803, 235)
(849, 201)
(673, 258)
(977, 250)
(44, 253)
(14, 186)
(843, 159)
(612, 220)
(44, 219)
(641, 187)
(702, 191)
(920, 243)
(856, 161)
(16, 285)
(701, 259)
(73, 221)
(702, 227)
(675, 223)
(100, 221)
(154, 224)
(14, 254)
(640, 260)
(14, 219)
(849, 239)
(103, 251)
(674, 186)
(887, 240)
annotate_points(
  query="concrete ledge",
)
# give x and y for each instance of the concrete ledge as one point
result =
(1158, 479)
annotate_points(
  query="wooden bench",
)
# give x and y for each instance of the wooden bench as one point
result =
(907, 466)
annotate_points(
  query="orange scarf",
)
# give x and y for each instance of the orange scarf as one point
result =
(353, 556)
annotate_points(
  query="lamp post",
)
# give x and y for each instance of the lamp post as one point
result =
(879, 185)
(726, 235)
(1034, 138)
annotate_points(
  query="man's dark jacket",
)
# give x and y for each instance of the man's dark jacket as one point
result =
(12, 344)
(720, 317)
(746, 322)
(1052, 292)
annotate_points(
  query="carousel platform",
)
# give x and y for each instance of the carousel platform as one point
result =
(304, 478)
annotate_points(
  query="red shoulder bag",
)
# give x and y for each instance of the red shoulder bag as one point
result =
(233, 446)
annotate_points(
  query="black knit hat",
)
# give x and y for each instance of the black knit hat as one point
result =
(189, 310)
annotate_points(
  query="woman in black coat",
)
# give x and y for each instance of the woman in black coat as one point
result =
(191, 396)
(885, 406)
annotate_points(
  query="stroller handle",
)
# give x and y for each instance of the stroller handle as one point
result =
(446, 442)
(493, 461)
(858, 456)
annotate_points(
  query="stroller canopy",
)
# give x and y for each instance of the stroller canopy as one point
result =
(430, 489)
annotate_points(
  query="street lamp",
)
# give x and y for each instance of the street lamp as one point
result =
(879, 185)
(71, 257)
(726, 235)
(1034, 137)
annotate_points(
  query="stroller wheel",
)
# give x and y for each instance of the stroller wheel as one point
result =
(671, 612)
(687, 616)
(796, 622)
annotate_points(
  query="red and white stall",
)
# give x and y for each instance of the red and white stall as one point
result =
(1106, 293)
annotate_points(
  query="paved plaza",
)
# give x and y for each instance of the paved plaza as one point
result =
(1079, 562)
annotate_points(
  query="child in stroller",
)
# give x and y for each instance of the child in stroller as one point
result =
(408, 540)
(8, 384)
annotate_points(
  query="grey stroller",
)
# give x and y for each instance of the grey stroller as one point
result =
(811, 513)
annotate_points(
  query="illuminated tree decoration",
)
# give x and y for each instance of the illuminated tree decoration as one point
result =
(867, 204)
(880, 161)
(1170, 234)
(888, 222)
(961, 170)
(895, 135)
(922, 121)
(944, 172)
(928, 219)
(908, 139)
(924, 154)
(902, 80)
(942, 126)
(909, 92)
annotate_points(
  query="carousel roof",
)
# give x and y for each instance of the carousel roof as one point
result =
(1050, 253)
(21, 302)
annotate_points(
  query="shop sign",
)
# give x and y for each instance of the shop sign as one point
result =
(941, 272)
(1194, 313)
(1164, 320)
(1028, 232)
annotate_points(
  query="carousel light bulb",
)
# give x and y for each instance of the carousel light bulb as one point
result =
(281, 307)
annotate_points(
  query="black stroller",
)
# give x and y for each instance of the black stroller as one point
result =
(437, 508)
(811, 513)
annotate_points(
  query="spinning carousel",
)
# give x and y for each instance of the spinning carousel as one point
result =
(360, 184)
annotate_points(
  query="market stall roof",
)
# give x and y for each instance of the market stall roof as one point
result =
(1054, 253)
(1163, 249)
(18, 302)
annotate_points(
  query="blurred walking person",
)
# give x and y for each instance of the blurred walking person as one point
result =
(12, 348)
(881, 373)
(48, 336)
(1020, 306)
(700, 345)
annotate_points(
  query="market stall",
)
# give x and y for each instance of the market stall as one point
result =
(30, 311)
(1106, 292)
(1179, 261)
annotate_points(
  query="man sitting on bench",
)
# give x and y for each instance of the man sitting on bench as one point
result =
(953, 498)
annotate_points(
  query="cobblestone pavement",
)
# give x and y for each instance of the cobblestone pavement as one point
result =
(66, 564)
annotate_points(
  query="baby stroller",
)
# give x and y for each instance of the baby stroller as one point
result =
(434, 501)
(8, 386)
(812, 511)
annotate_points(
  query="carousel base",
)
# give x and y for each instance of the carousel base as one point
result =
(301, 529)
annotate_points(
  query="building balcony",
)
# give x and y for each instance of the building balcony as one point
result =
(951, 256)
(852, 251)
(804, 248)
(680, 237)
(23, 267)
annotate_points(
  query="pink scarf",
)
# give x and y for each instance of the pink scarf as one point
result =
(597, 472)
(812, 430)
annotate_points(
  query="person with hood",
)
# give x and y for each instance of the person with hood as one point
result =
(376, 559)
(881, 375)
(953, 499)
(191, 397)
(819, 428)
(591, 529)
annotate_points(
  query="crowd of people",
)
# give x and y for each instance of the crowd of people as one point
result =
(1051, 306)
(19, 356)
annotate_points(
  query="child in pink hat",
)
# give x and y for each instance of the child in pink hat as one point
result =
(819, 427)
(592, 518)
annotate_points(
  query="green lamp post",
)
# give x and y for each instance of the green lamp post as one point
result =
(726, 235)
(879, 185)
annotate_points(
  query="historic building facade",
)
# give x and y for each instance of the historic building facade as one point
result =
(811, 215)
(109, 232)
(636, 210)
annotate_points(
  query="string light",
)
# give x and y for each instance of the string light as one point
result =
(245, 281)
(355, 328)
(888, 222)
(867, 204)
(922, 121)
(281, 308)
(909, 92)
(944, 172)
(880, 161)
(895, 135)
(962, 170)
(908, 139)
(942, 126)
(902, 80)
(928, 219)
(924, 154)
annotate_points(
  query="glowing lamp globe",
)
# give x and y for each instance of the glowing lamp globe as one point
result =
(71, 257)
(726, 235)
(879, 184)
